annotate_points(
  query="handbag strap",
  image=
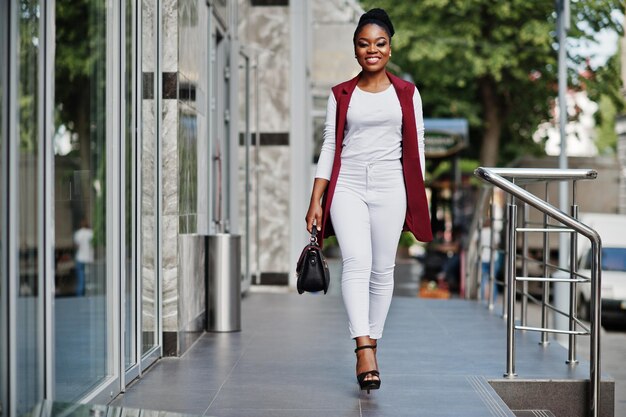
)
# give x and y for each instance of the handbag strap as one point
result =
(314, 235)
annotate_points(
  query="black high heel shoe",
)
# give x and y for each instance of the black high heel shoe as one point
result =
(368, 384)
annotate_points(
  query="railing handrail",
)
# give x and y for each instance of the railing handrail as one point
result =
(496, 176)
(543, 174)
(492, 176)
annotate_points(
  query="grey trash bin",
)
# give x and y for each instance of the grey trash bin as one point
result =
(223, 286)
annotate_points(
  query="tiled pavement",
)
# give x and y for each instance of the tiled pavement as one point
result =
(294, 358)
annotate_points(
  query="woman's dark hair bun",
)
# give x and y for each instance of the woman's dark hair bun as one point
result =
(377, 16)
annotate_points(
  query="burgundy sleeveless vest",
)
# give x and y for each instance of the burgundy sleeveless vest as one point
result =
(417, 218)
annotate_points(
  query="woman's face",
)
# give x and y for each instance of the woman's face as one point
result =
(372, 48)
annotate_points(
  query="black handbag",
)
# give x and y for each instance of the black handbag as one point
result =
(312, 269)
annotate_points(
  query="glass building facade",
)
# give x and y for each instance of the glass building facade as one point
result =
(120, 127)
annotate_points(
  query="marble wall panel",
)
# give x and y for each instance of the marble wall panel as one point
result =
(148, 214)
(253, 208)
(266, 29)
(169, 138)
(191, 281)
(169, 11)
(169, 248)
(187, 168)
(170, 299)
(148, 247)
(148, 159)
(332, 58)
(147, 298)
(332, 11)
(274, 214)
(203, 165)
(192, 47)
(148, 42)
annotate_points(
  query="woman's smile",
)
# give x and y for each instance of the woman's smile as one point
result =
(372, 48)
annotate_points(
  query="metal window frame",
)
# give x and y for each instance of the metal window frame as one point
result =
(127, 373)
(245, 64)
(233, 54)
(46, 206)
(211, 114)
(4, 236)
(11, 231)
(131, 372)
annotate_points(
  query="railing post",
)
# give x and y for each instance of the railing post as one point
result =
(479, 250)
(596, 302)
(573, 293)
(546, 285)
(510, 293)
(524, 311)
(510, 251)
(492, 236)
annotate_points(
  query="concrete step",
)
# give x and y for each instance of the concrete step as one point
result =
(563, 398)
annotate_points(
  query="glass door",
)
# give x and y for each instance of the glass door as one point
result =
(84, 325)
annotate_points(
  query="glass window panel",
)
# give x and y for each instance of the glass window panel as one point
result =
(80, 248)
(27, 320)
(148, 203)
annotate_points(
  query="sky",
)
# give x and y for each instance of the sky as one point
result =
(604, 47)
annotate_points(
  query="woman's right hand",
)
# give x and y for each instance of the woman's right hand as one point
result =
(314, 215)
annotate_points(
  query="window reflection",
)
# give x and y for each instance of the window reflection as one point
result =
(80, 194)
(27, 317)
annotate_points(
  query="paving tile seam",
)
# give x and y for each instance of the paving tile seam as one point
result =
(279, 409)
(360, 408)
(486, 397)
(243, 351)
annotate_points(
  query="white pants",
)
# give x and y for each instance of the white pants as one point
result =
(368, 210)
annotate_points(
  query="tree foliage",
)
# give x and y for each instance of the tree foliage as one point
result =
(492, 62)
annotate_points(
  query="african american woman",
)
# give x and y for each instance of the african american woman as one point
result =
(369, 184)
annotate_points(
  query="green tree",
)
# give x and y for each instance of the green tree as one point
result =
(492, 62)
(605, 88)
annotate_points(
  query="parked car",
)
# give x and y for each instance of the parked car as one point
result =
(612, 228)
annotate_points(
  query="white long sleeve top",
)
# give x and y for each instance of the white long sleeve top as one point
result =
(373, 129)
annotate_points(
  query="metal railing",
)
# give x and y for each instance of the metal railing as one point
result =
(509, 181)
